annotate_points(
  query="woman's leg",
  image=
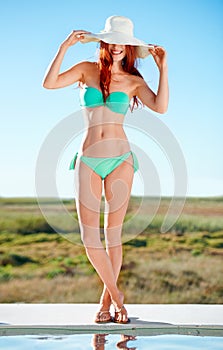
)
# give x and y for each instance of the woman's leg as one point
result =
(89, 189)
(118, 186)
(115, 255)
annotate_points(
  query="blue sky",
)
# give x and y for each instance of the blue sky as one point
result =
(192, 33)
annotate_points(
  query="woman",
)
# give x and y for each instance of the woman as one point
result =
(105, 159)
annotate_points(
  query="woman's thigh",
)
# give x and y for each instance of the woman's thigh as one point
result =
(88, 188)
(118, 185)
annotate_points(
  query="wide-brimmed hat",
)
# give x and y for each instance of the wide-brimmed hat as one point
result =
(119, 30)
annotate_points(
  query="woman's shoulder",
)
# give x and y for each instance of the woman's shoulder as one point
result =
(136, 80)
(87, 68)
(136, 83)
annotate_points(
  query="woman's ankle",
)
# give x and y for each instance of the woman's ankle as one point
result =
(105, 297)
(105, 303)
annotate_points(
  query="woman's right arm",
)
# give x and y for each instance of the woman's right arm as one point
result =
(53, 78)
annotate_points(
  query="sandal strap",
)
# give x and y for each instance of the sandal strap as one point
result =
(119, 309)
(102, 316)
(103, 312)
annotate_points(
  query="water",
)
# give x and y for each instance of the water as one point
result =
(110, 342)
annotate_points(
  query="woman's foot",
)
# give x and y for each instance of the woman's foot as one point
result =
(121, 315)
(103, 317)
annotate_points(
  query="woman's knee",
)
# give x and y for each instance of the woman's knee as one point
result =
(89, 221)
(113, 235)
(90, 236)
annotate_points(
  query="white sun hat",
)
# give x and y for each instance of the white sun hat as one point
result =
(119, 30)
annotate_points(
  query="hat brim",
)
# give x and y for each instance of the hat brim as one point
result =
(120, 39)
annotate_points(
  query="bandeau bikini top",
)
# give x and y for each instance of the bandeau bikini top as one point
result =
(117, 101)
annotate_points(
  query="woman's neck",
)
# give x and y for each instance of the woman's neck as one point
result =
(117, 68)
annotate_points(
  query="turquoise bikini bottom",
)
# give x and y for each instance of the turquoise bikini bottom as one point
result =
(103, 166)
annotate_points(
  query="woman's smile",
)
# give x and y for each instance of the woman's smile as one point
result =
(117, 52)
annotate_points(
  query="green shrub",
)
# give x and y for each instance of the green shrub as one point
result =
(14, 259)
(5, 275)
(137, 243)
(196, 252)
(216, 243)
(34, 225)
(54, 273)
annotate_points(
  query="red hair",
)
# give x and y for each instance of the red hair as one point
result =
(105, 64)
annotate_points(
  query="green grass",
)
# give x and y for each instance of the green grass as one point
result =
(183, 265)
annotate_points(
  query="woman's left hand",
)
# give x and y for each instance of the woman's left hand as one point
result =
(160, 56)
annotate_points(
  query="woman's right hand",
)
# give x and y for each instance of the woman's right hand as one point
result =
(53, 78)
(73, 38)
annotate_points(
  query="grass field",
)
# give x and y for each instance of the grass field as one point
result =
(183, 265)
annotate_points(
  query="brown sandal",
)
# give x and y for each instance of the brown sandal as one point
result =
(117, 318)
(103, 317)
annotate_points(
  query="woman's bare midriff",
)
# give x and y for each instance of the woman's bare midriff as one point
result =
(104, 136)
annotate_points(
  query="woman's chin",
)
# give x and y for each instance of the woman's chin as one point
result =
(117, 58)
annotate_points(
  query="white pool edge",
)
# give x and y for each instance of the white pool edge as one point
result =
(151, 319)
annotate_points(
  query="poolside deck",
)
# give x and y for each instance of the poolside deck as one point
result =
(78, 318)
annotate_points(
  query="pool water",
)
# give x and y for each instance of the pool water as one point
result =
(110, 342)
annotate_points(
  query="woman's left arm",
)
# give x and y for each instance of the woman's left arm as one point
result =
(157, 102)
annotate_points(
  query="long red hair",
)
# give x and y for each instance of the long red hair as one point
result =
(105, 64)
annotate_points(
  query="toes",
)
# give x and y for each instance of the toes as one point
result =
(124, 318)
(121, 316)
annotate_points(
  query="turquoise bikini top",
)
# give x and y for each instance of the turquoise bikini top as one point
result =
(117, 101)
